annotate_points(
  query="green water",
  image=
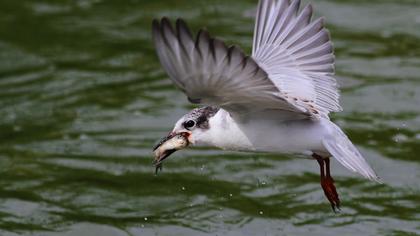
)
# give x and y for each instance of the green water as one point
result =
(83, 99)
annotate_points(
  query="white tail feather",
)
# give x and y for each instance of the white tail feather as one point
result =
(342, 149)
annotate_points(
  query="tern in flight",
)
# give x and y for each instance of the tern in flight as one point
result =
(277, 100)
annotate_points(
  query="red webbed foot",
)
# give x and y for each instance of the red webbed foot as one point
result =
(327, 182)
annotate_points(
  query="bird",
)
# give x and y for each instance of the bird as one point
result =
(276, 100)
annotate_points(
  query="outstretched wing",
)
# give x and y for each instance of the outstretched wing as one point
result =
(297, 54)
(210, 73)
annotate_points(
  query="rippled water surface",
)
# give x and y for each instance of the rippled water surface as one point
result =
(83, 99)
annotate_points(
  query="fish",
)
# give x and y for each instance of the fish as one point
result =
(167, 146)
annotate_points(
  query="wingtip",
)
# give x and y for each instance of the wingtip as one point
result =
(181, 24)
(182, 28)
(164, 19)
(180, 21)
(310, 7)
(309, 10)
(202, 34)
(155, 24)
(322, 21)
(155, 30)
(374, 177)
(378, 180)
(166, 28)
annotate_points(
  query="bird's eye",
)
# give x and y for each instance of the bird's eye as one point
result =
(189, 124)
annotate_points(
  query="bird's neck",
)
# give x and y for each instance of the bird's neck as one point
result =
(224, 133)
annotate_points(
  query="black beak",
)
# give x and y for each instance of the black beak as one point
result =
(163, 140)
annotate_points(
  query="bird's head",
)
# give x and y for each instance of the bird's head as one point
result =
(192, 129)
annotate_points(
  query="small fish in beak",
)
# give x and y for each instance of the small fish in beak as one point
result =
(167, 146)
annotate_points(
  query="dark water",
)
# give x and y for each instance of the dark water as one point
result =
(83, 98)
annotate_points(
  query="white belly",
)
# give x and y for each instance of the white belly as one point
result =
(285, 137)
(263, 135)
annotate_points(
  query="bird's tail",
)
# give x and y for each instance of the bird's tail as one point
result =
(342, 149)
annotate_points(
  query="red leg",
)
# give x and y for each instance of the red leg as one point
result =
(327, 182)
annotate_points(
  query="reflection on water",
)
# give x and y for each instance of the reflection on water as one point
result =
(83, 99)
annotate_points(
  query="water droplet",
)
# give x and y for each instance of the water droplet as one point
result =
(400, 138)
(183, 188)
(145, 218)
(261, 212)
(372, 142)
(263, 183)
(230, 195)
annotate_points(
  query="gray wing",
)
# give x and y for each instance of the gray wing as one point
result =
(211, 73)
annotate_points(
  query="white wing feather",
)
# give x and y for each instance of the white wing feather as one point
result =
(297, 54)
